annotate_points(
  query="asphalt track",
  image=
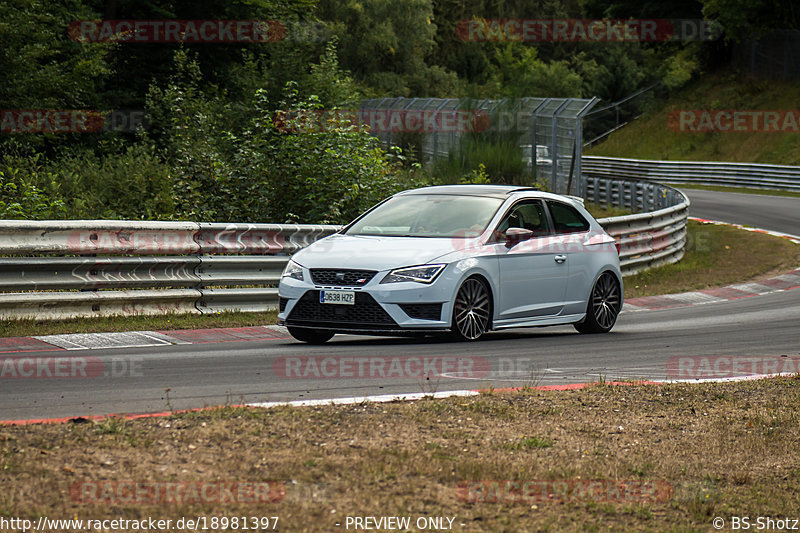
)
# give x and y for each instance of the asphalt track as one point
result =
(641, 346)
(776, 213)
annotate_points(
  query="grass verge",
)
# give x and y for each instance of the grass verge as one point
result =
(741, 190)
(724, 449)
(717, 256)
(599, 211)
(26, 327)
(650, 136)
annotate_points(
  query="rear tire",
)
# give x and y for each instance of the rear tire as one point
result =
(604, 305)
(311, 336)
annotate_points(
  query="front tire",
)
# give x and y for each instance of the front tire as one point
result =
(311, 336)
(471, 310)
(604, 305)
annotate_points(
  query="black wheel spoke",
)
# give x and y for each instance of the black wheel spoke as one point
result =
(472, 309)
(605, 301)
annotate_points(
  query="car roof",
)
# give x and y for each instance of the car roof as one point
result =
(493, 191)
(498, 191)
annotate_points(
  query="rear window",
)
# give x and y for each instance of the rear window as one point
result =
(566, 218)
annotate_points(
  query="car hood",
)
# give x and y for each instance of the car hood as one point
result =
(373, 252)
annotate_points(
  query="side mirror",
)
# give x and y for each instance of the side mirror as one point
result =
(515, 236)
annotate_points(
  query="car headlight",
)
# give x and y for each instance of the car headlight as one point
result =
(292, 270)
(420, 274)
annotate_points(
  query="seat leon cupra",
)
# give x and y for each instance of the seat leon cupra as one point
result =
(456, 259)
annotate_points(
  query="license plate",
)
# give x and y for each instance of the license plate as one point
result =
(337, 297)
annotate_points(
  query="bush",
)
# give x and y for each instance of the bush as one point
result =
(132, 184)
(312, 168)
(21, 199)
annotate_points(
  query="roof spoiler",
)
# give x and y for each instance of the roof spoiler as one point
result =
(576, 198)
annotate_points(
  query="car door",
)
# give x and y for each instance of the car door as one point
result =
(532, 275)
(571, 230)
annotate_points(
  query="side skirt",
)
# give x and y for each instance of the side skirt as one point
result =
(539, 321)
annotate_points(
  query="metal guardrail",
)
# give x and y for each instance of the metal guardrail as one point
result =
(60, 269)
(85, 237)
(654, 237)
(105, 267)
(754, 175)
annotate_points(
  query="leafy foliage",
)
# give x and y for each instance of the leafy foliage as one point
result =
(519, 72)
(19, 198)
(214, 150)
(295, 169)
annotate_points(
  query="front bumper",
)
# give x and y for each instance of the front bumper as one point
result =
(389, 307)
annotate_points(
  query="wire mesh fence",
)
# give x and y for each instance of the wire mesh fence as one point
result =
(519, 140)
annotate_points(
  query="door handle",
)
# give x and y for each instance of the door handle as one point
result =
(560, 258)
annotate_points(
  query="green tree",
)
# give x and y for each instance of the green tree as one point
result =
(744, 18)
(386, 44)
(519, 72)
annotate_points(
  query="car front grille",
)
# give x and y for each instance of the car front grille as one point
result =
(365, 313)
(423, 311)
(341, 277)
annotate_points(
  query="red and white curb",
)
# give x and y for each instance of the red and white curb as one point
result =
(784, 282)
(139, 339)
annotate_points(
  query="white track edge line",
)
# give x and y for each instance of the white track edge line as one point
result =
(382, 398)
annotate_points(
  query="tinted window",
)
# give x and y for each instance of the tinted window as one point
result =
(527, 215)
(566, 218)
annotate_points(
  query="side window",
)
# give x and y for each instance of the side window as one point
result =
(566, 218)
(527, 215)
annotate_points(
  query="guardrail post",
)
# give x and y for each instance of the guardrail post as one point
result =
(535, 122)
(579, 143)
(554, 142)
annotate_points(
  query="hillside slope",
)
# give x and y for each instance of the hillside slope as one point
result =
(650, 137)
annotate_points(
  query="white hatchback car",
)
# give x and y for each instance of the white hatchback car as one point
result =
(464, 259)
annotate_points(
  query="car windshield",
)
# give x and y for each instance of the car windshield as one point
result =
(428, 215)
